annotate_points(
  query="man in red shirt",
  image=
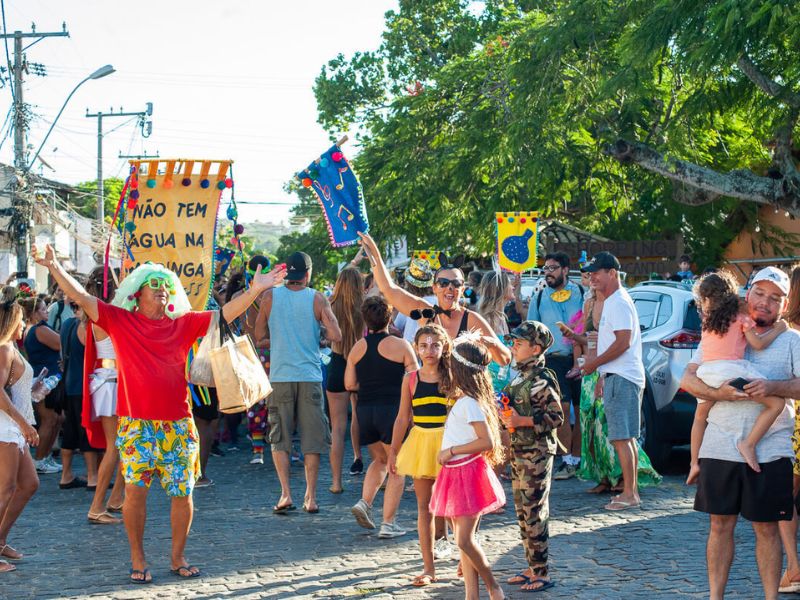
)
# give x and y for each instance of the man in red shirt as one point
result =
(152, 328)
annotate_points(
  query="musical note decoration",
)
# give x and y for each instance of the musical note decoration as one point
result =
(340, 195)
(516, 240)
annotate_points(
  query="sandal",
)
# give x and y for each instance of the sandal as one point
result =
(77, 482)
(282, 510)
(423, 580)
(6, 567)
(6, 549)
(788, 585)
(143, 579)
(546, 584)
(114, 509)
(103, 518)
(185, 571)
(519, 579)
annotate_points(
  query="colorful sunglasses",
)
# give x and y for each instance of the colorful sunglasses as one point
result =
(156, 282)
(444, 282)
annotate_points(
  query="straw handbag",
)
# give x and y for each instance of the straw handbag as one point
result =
(238, 373)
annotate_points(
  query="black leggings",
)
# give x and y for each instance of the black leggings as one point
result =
(74, 435)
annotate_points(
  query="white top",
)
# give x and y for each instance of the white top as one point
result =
(410, 326)
(105, 348)
(619, 314)
(21, 392)
(457, 428)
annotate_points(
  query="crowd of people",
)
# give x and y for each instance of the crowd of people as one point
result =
(456, 382)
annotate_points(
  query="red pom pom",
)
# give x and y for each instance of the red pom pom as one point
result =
(499, 220)
(337, 156)
(132, 203)
(168, 183)
(170, 307)
(522, 219)
(306, 182)
(229, 183)
(134, 184)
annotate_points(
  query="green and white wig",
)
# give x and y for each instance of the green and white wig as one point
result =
(128, 291)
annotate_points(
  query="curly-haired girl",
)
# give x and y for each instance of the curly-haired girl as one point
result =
(727, 330)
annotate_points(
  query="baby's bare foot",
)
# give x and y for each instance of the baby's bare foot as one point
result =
(748, 451)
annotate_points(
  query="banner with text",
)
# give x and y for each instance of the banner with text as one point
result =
(174, 218)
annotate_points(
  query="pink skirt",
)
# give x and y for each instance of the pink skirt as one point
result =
(466, 487)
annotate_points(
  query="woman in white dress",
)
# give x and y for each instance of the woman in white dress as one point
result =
(18, 479)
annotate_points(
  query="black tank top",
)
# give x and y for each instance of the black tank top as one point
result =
(379, 379)
(463, 327)
(428, 405)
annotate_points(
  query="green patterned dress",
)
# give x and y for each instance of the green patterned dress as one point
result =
(599, 461)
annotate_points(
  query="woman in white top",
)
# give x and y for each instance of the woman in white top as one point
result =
(18, 479)
(100, 405)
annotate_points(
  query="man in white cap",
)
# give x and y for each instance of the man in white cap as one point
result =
(727, 487)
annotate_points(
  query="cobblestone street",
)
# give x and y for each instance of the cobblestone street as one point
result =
(247, 552)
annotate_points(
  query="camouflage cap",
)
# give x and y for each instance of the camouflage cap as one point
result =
(533, 331)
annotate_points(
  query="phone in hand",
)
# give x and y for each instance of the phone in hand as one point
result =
(739, 383)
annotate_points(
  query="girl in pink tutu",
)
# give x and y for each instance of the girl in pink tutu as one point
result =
(467, 487)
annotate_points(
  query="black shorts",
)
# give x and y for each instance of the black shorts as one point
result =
(732, 488)
(376, 422)
(74, 435)
(570, 388)
(207, 412)
(335, 382)
(54, 399)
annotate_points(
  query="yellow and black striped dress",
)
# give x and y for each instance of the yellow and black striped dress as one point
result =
(417, 457)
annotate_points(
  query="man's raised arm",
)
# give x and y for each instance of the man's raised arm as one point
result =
(72, 289)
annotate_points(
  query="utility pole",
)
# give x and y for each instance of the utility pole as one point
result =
(147, 129)
(144, 156)
(21, 215)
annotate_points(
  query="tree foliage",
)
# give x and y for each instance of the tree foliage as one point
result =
(86, 203)
(634, 119)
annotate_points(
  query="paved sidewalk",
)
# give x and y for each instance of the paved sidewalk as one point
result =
(246, 552)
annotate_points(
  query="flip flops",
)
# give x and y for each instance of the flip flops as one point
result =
(77, 482)
(282, 510)
(185, 572)
(144, 580)
(617, 505)
(311, 511)
(423, 580)
(521, 575)
(788, 586)
(546, 585)
(103, 518)
(4, 553)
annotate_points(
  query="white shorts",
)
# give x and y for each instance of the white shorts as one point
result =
(103, 388)
(716, 372)
(10, 432)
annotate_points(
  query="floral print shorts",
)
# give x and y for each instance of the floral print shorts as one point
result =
(169, 450)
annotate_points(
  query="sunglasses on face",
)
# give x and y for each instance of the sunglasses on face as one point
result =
(456, 283)
(424, 313)
(550, 268)
(157, 282)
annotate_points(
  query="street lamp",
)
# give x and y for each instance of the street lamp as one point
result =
(101, 72)
(22, 233)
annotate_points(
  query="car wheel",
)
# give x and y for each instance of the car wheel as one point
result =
(650, 439)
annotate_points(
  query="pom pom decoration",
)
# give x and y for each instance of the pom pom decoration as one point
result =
(134, 184)
(130, 226)
(168, 183)
(186, 182)
(170, 307)
(229, 183)
(337, 156)
(132, 202)
(323, 162)
(127, 263)
(239, 229)
(232, 213)
(306, 182)
(220, 185)
(134, 194)
(205, 183)
(313, 173)
(151, 183)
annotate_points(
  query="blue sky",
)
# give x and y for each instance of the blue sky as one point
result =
(227, 79)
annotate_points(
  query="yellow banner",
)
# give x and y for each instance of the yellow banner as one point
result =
(432, 256)
(173, 220)
(516, 240)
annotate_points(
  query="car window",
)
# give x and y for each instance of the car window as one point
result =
(664, 310)
(647, 308)
(691, 320)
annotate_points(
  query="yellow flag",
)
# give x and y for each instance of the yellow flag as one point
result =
(174, 220)
(516, 240)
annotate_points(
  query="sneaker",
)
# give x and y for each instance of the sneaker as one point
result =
(204, 482)
(258, 459)
(216, 450)
(390, 530)
(357, 468)
(565, 471)
(53, 463)
(363, 514)
(442, 548)
(45, 468)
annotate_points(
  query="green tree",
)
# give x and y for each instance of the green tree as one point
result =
(633, 119)
(86, 203)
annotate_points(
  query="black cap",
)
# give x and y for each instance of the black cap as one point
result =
(601, 260)
(297, 266)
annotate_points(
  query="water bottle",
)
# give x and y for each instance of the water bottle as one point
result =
(46, 385)
(51, 382)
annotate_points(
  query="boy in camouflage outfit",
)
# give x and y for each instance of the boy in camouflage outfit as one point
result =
(533, 416)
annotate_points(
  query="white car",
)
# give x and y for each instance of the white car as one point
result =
(670, 326)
